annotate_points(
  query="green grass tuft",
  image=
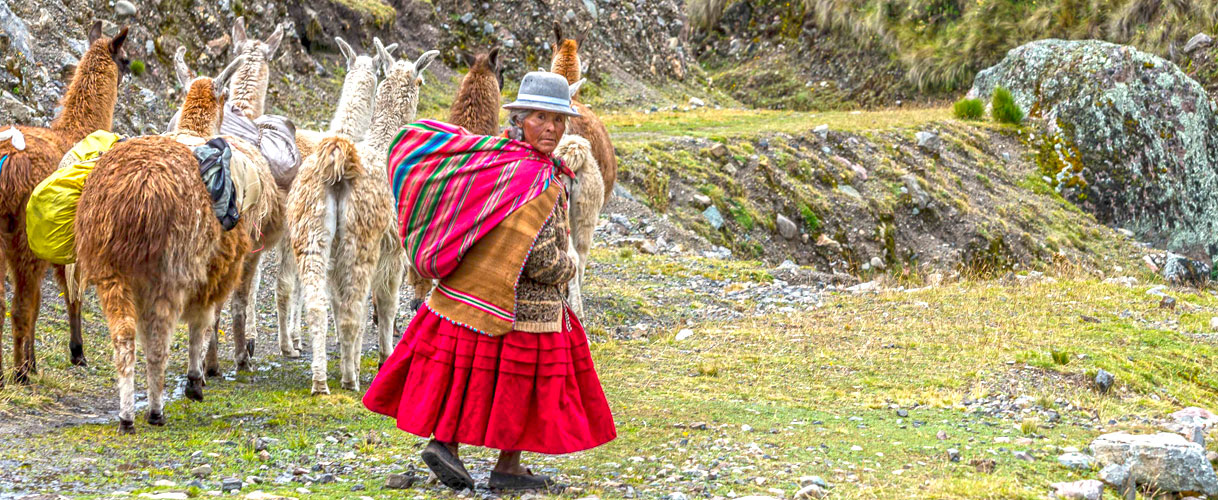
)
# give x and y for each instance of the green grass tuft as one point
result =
(137, 67)
(969, 109)
(1004, 108)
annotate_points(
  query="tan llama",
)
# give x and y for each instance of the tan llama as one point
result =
(162, 256)
(29, 155)
(344, 227)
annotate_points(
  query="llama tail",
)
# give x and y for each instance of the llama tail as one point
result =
(337, 160)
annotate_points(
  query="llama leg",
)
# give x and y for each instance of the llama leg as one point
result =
(386, 301)
(285, 300)
(120, 316)
(156, 333)
(27, 272)
(351, 313)
(198, 325)
(296, 315)
(3, 313)
(317, 322)
(213, 345)
(76, 345)
(243, 315)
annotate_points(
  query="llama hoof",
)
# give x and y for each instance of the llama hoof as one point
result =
(320, 388)
(213, 372)
(126, 427)
(156, 418)
(245, 366)
(79, 361)
(21, 377)
(292, 353)
(352, 386)
(194, 388)
(78, 355)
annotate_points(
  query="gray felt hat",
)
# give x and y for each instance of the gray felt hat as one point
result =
(545, 91)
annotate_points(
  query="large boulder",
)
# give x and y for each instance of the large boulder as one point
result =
(1163, 461)
(1126, 135)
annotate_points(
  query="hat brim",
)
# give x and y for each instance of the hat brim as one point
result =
(542, 106)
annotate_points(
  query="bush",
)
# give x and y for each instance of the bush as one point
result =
(1004, 108)
(136, 67)
(969, 109)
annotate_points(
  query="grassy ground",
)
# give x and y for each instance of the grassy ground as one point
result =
(782, 396)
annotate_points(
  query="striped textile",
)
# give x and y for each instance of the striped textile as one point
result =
(453, 187)
(2, 160)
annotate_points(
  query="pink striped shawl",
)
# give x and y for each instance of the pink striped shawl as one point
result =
(453, 188)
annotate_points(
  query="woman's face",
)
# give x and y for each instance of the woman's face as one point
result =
(543, 129)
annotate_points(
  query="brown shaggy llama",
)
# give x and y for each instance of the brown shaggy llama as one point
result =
(476, 108)
(587, 125)
(88, 106)
(148, 239)
(344, 227)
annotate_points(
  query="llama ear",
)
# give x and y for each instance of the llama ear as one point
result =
(467, 58)
(221, 81)
(346, 49)
(117, 43)
(557, 34)
(493, 57)
(274, 41)
(384, 55)
(575, 87)
(180, 68)
(424, 61)
(95, 32)
(579, 39)
(239, 33)
(391, 48)
(584, 65)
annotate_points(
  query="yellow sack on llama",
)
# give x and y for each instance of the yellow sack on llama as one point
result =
(50, 215)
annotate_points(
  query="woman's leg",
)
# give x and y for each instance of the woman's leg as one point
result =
(509, 463)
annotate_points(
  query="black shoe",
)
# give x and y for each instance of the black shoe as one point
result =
(521, 482)
(446, 467)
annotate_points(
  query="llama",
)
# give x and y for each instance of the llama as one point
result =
(351, 119)
(476, 109)
(588, 125)
(344, 227)
(162, 256)
(587, 198)
(248, 89)
(354, 111)
(28, 157)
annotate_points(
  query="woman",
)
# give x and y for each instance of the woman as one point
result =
(495, 357)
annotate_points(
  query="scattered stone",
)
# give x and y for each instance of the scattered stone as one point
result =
(810, 480)
(1168, 302)
(261, 495)
(903, 413)
(1181, 270)
(400, 481)
(877, 263)
(694, 102)
(747, 428)
(786, 227)
(822, 131)
(929, 141)
(919, 195)
(811, 491)
(849, 190)
(201, 471)
(168, 495)
(231, 484)
(1104, 380)
(941, 435)
(1198, 41)
(713, 217)
(164, 483)
(217, 46)
(984, 465)
(325, 479)
(701, 200)
(1079, 490)
(953, 455)
(1075, 460)
(684, 334)
(719, 150)
(1211, 456)
(264, 455)
(1197, 436)
(124, 8)
(1023, 455)
(1163, 461)
(825, 241)
(1089, 319)
(1117, 476)
(677, 495)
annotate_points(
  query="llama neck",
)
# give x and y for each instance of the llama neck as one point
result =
(391, 115)
(477, 105)
(566, 62)
(247, 90)
(88, 106)
(353, 116)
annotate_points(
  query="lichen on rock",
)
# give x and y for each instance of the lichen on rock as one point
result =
(1128, 136)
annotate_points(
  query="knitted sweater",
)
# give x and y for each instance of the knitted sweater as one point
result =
(542, 289)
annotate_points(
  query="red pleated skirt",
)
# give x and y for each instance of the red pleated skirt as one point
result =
(521, 391)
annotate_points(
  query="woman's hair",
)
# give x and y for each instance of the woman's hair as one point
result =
(516, 121)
